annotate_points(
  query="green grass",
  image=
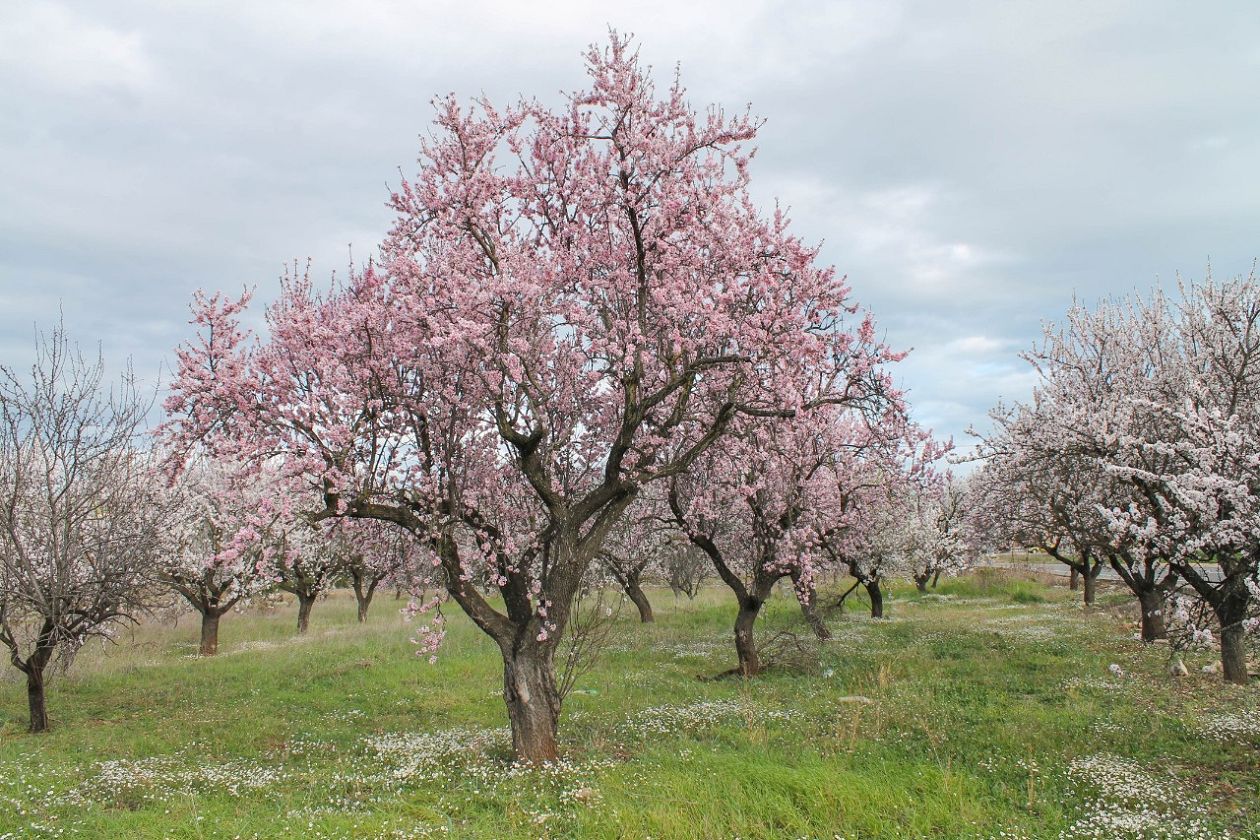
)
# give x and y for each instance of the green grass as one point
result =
(992, 714)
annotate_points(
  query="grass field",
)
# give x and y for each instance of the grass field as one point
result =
(992, 713)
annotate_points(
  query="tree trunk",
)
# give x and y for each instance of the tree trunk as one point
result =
(921, 582)
(364, 585)
(936, 578)
(1234, 654)
(1230, 601)
(745, 641)
(1151, 593)
(1152, 605)
(34, 667)
(305, 602)
(533, 702)
(209, 633)
(1231, 611)
(35, 698)
(640, 599)
(1074, 579)
(877, 598)
(363, 599)
(1091, 588)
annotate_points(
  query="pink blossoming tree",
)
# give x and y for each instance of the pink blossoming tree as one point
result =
(638, 547)
(572, 304)
(378, 553)
(879, 527)
(311, 559)
(1189, 443)
(765, 505)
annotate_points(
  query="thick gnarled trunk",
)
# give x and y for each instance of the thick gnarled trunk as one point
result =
(1083, 571)
(1231, 611)
(1151, 590)
(750, 598)
(364, 583)
(1230, 600)
(750, 604)
(527, 639)
(363, 598)
(211, 601)
(35, 668)
(533, 702)
(1090, 580)
(1234, 654)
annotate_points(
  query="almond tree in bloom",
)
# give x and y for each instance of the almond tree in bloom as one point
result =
(638, 546)
(1101, 364)
(376, 553)
(1146, 410)
(309, 562)
(79, 514)
(880, 549)
(761, 505)
(572, 305)
(227, 531)
(1046, 479)
(945, 542)
(685, 568)
(1041, 495)
(1189, 443)
(877, 508)
(878, 528)
(743, 518)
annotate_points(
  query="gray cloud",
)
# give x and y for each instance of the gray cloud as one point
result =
(970, 166)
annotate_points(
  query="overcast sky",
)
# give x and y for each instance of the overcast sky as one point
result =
(970, 166)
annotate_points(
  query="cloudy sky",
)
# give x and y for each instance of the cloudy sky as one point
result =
(970, 166)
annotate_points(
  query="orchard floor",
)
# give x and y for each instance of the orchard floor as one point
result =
(992, 713)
